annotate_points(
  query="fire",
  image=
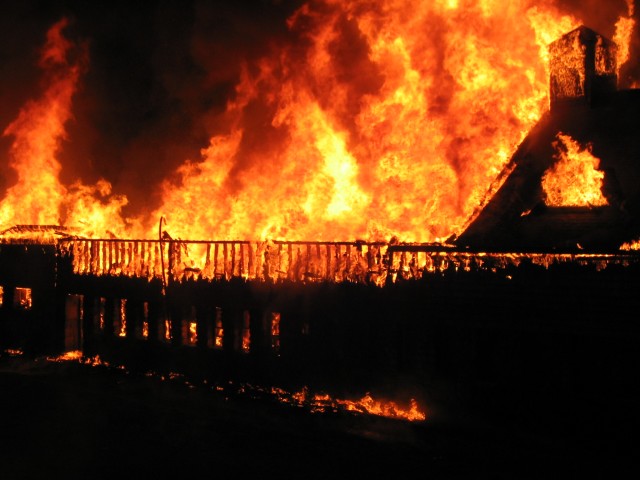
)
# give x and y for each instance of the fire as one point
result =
(317, 402)
(622, 37)
(193, 333)
(575, 179)
(385, 409)
(392, 128)
(381, 119)
(122, 317)
(39, 197)
(632, 246)
(367, 404)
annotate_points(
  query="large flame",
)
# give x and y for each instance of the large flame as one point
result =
(622, 37)
(38, 131)
(574, 180)
(382, 119)
(390, 119)
(39, 197)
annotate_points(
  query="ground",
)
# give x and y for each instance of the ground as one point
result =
(79, 421)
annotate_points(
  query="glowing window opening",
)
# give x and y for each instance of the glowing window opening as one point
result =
(575, 178)
(145, 320)
(215, 331)
(246, 331)
(99, 313)
(142, 324)
(164, 330)
(120, 319)
(190, 328)
(275, 331)
(22, 298)
(193, 333)
(79, 299)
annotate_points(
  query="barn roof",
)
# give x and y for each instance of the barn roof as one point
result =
(516, 216)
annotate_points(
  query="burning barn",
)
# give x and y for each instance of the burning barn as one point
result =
(535, 283)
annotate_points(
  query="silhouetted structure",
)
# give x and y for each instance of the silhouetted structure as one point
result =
(583, 68)
(585, 106)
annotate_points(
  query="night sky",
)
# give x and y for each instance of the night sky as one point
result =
(158, 69)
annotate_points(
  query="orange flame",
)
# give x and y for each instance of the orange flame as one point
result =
(38, 197)
(367, 404)
(622, 37)
(632, 246)
(38, 131)
(383, 119)
(316, 402)
(391, 127)
(575, 179)
(386, 409)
